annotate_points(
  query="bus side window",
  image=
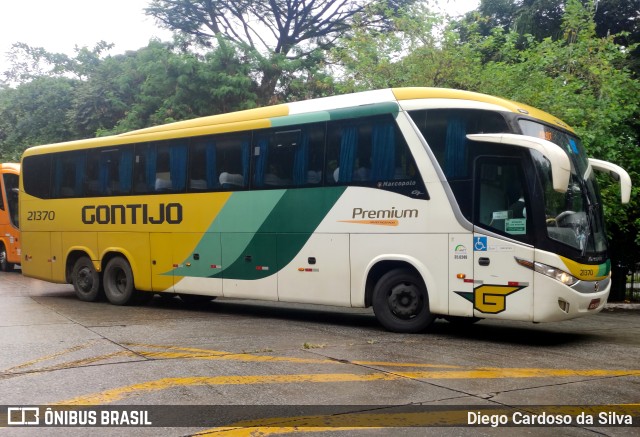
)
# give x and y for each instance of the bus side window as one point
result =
(109, 171)
(203, 165)
(233, 160)
(290, 156)
(36, 176)
(69, 174)
(368, 151)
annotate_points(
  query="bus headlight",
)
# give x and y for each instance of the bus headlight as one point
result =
(552, 272)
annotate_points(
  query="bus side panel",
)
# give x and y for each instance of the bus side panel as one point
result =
(86, 242)
(161, 261)
(135, 247)
(461, 275)
(422, 251)
(37, 262)
(195, 274)
(250, 262)
(57, 259)
(318, 273)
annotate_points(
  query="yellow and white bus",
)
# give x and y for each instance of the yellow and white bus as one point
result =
(419, 202)
(9, 223)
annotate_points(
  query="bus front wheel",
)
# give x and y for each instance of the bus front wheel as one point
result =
(400, 302)
(118, 281)
(86, 280)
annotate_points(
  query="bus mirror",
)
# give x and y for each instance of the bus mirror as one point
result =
(618, 173)
(560, 164)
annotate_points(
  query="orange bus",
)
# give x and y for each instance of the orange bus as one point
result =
(9, 229)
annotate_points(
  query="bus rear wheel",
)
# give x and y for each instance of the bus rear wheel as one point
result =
(5, 265)
(400, 302)
(85, 280)
(118, 281)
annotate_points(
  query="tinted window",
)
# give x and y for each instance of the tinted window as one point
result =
(445, 131)
(288, 157)
(502, 200)
(368, 152)
(36, 173)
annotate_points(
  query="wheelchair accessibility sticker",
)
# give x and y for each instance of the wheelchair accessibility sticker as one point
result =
(480, 244)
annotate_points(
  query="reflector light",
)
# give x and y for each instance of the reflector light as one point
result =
(595, 303)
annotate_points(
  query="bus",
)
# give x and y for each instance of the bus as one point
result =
(418, 202)
(9, 217)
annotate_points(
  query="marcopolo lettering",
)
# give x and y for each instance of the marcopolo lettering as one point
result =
(139, 213)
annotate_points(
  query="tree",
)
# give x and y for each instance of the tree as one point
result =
(282, 36)
(156, 85)
(35, 113)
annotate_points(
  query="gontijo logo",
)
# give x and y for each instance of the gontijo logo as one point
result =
(380, 217)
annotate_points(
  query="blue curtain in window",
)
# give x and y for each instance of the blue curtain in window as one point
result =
(383, 151)
(348, 152)
(261, 161)
(456, 149)
(151, 165)
(212, 165)
(125, 170)
(178, 166)
(301, 160)
(81, 160)
(246, 159)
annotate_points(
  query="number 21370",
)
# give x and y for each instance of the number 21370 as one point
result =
(41, 215)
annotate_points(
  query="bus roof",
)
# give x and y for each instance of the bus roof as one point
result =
(321, 109)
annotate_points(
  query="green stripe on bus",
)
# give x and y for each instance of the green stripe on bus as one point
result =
(365, 111)
(268, 226)
(283, 234)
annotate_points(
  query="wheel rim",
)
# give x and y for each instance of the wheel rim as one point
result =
(405, 300)
(3, 257)
(85, 279)
(120, 281)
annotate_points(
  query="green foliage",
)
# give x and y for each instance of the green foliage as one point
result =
(35, 113)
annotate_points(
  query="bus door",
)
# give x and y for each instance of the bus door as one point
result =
(9, 217)
(502, 232)
(37, 264)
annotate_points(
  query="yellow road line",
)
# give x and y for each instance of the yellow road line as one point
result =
(49, 357)
(208, 354)
(120, 393)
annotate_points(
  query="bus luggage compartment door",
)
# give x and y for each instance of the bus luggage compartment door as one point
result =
(37, 255)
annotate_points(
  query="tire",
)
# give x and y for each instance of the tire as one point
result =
(118, 282)
(5, 265)
(400, 302)
(85, 280)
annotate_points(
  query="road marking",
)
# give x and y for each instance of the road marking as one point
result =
(109, 396)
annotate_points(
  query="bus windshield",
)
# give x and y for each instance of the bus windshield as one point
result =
(573, 218)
